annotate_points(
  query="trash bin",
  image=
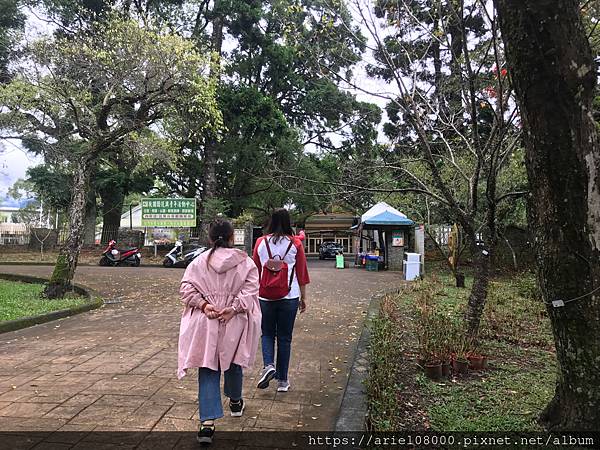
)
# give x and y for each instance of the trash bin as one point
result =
(339, 261)
(411, 266)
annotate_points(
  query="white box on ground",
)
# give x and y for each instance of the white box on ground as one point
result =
(412, 257)
(411, 270)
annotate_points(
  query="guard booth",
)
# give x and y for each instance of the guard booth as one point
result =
(385, 233)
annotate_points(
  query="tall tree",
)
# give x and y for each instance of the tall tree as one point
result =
(452, 118)
(209, 188)
(275, 99)
(85, 95)
(554, 75)
(118, 173)
(12, 21)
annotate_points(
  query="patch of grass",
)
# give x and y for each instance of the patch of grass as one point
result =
(515, 313)
(381, 385)
(507, 397)
(515, 333)
(24, 299)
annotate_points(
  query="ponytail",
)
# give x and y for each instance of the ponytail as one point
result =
(219, 235)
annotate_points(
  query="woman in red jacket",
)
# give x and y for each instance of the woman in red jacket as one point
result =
(279, 315)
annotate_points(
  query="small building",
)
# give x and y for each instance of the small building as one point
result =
(334, 227)
(7, 212)
(387, 230)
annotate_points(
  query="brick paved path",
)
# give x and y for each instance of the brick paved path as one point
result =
(114, 368)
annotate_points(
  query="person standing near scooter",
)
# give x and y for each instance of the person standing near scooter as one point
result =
(220, 324)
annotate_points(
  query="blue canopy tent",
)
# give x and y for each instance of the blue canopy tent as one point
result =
(387, 221)
(387, 218)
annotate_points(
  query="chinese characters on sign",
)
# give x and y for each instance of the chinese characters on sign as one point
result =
(169, 212)
(239, 236)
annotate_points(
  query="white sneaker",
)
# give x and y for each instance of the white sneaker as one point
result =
(237, 409)
(283, 386)
(267, 374)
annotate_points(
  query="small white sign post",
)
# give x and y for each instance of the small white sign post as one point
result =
(239, 236)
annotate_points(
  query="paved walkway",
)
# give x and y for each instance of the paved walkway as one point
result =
(114, 368)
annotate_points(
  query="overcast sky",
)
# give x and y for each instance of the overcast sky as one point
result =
(14, 161)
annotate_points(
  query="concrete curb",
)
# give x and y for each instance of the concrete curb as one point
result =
(353, 411)
(93, 301)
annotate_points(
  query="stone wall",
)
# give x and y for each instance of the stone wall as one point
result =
(395, 254)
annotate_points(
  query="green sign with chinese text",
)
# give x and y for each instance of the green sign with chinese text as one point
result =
(169, 212)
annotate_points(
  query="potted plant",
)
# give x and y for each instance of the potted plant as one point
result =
(446, 352)
(460, 363)
(433, 370)
(477, 360)
(428, 332)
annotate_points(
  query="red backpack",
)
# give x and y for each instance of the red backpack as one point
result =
(274, 284)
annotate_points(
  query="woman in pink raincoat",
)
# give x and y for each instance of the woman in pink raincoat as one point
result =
(220, 324)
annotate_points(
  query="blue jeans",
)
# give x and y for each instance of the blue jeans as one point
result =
(278, 317)
(209, 390)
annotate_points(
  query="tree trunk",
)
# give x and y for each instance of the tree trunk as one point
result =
(66, 263)
(554, 76)
(478, 296)
(460, 279)
(112, 207)
(89, 227)
(209, 188)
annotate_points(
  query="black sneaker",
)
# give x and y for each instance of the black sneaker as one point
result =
(268, 373)
(237, 408)
(205, 435)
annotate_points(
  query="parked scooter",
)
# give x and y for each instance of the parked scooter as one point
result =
(178, 258)
(112, 256)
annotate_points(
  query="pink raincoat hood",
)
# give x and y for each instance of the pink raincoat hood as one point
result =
(223, 260)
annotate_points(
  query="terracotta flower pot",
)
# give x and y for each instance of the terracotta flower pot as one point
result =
(477, 362)
(446, 369)
(485, 362)
(433, 371)
(460, 366)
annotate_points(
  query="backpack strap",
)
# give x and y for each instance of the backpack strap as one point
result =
(288, 249)
(268, 247)
(271, 254)
(293, 268)
(291, 278)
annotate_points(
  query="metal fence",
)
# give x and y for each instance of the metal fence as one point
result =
(14, 237)
(441, 234)
(22, 235)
